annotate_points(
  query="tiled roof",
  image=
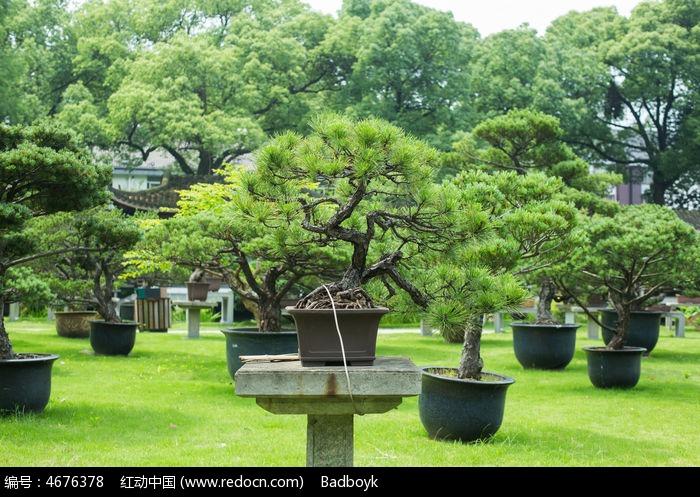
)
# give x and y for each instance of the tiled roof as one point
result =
(162, 199)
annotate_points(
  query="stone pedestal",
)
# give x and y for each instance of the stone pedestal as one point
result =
(193, 310)
(321, 393)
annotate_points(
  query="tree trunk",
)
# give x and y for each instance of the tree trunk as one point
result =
(471, 364)
(6, 351)
(623, 319)
(270, 316)
(658, 189)
(544, 305)
(205, 163)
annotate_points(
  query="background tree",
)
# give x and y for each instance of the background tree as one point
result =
(88, 277)
(411, 66)
(632, 256)
(626, 89)
(210, 91)
(503, 71)
(42, 171)
(258, 248)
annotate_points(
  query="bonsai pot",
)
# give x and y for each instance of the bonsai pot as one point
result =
(544, 346)
(643, 329)
(250, 341)
(318, 338)
(465, 410)
(608, 368)
(25, 383)
(112, 338)
(74, 324)
(197, 290)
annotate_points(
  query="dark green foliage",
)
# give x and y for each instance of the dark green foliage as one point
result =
(42, 171)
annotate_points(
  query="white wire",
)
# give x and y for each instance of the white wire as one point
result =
(342, 347)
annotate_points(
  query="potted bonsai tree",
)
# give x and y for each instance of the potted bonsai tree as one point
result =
(524, 141)
(197, 285)
(43, 171)
(257, 248)
(633, 256)
(368, 186)
(527, 216)
(106, 234)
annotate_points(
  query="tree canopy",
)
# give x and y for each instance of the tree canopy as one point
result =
(42, 171)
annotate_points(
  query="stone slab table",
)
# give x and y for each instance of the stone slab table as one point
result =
(321, 393)
(193, 310)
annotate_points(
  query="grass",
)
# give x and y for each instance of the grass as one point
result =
(171, 403)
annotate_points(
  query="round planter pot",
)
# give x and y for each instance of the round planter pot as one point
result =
(250, 341)
(464, 410)
(609, 368)
(74, 324)
(112, 338)
(544, 346)
(25, 383)
(318, 338)
(197, 291)
(643, 329)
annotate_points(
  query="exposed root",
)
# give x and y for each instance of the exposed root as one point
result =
(354, 298)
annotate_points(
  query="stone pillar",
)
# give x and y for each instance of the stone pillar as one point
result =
(193, 322)
(329, 440)
(592, 329)
(425, 329)
(569, 317)
(14, 311)
(498, 322)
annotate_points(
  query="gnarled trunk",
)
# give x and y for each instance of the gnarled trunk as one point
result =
(544, 305)
(623, 319)
(6, 351)
(471, 364)
(270, 315)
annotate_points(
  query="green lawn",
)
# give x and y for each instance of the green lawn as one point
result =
(172, 403)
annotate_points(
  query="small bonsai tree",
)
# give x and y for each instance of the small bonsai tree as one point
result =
(525, 141)
(258, 248)
(632, 256)
(87, 277)
(527, 218)
(42, 171)
(365, 185)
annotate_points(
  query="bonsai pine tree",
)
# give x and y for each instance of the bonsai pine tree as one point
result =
(528, 217)
(42, 171)
(632, 256)
(525, 141)
(365, 185)
(87, 277)
(259, 248)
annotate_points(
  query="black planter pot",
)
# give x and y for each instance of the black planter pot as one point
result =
(25, 383)
(197, 291)
(250, 341)
(544, 346)
(464, 410)
(318, 338)
(609, 368)
(643, 330)
(112, 338)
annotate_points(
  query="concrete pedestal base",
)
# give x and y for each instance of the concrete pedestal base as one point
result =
(193, 311)
(329, 440)
(321, 393)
